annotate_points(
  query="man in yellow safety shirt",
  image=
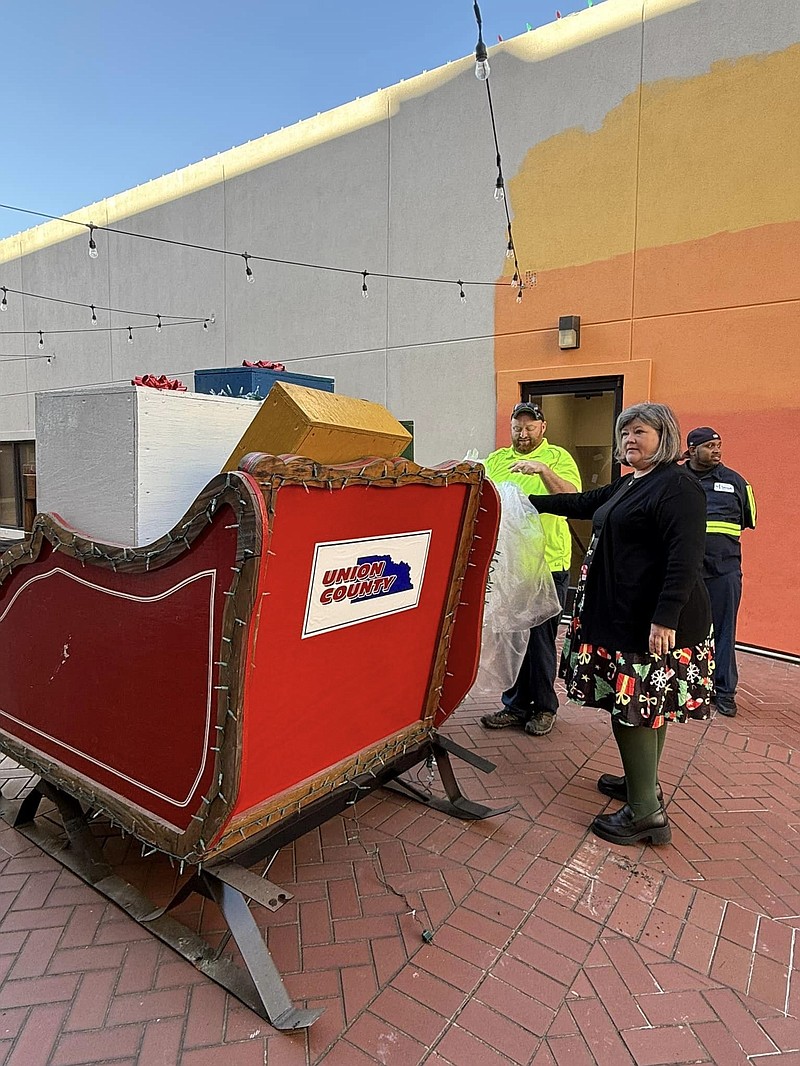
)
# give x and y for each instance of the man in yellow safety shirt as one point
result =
(536, 466)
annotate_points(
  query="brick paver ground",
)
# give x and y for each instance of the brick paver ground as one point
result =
(549, 947)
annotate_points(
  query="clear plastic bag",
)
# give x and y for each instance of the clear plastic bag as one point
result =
(520, 592)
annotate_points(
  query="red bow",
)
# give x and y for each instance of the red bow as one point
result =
(152, 382)
(263, 364)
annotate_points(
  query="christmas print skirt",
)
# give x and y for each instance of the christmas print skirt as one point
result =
(636, 688)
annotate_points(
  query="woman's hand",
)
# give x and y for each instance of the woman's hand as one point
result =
(662, 640)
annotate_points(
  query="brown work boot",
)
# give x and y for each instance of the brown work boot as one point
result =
(540, 724)
(502, 720)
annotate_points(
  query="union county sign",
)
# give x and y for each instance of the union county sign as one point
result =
(355, 581)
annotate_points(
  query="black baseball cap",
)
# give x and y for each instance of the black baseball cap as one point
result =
(702, 435)
(531, 409)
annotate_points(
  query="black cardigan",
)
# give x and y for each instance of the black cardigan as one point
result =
(647, 563)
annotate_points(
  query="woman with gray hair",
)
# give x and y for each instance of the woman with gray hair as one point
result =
(639, 644)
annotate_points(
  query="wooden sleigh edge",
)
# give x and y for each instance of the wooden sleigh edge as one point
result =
(243, 497)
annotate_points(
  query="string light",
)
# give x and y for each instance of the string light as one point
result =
(246, 255)
(41, 340)
(94, 316)
(158, 324)
(24, 359)
(364, 289)
(248, 273)
(130, 335)
(93, 253)
(500, 185)
(94, 307)
(461, 294)
(95, 329)
(482, 70)
(4, 301)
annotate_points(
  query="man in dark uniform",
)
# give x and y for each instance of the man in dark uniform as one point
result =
(730, 508)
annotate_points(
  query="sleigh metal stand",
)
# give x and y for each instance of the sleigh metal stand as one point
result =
(229, 883)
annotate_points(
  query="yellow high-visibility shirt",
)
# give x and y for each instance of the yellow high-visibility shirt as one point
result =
(558, 542)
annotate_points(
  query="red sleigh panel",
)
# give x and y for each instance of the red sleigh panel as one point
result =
(341, 690)
(143, 646)
(111, 663)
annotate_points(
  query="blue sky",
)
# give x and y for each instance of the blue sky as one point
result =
(102, 95)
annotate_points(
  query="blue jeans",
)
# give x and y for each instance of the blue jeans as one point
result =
(534, 690)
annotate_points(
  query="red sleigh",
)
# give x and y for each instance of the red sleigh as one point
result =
(292, 644)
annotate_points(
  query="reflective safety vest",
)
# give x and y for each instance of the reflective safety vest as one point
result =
(557, 539)
(730, 508)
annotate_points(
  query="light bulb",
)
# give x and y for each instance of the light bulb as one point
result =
(499, 191)
(248, 273)
(364, 289)
(94, 316)
(158, 324)
(205, 324)
(515, 280)
(481, 56)
(130, 336)
(519, 295)
(510, 251)
(92, 246)
(250, 276)
(461, 294)
(41, 340)
(4, 301)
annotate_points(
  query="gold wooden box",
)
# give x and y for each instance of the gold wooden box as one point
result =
(323, 426)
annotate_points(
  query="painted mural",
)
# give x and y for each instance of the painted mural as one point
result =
(673, 231)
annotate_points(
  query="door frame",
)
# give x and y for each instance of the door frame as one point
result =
(636, 375)
(583, 386)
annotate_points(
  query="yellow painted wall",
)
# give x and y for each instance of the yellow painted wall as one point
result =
(674, 232)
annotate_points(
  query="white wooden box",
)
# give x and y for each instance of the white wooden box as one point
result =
(123, 463)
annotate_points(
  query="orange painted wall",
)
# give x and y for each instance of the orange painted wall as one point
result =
(688, 285)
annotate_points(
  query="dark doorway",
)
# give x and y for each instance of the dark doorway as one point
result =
(580, 414)
(17, 484)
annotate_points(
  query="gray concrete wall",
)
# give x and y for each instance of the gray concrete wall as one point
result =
(406, 189)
